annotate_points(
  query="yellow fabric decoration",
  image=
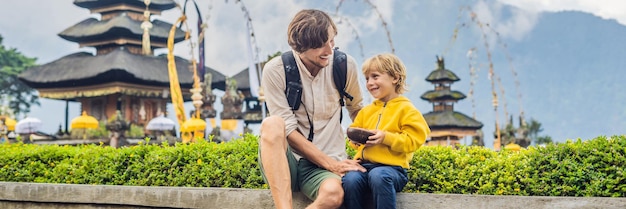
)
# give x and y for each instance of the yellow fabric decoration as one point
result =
(176, 93)
(229, 124)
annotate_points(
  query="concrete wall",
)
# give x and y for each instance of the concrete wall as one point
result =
(72, 196)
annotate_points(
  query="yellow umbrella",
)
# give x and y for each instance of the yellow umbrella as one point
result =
(512, 147)
(192, 129)
(193, 124)
(10, 123)
(84, 121)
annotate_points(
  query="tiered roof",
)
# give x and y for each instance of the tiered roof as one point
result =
(443, 120)
(119, 65)
(119, 30)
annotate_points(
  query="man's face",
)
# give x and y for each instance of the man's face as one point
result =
(318, 58)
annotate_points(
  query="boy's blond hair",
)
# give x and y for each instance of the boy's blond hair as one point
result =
(389, 64)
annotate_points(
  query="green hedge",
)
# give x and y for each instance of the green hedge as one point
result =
(595, 167)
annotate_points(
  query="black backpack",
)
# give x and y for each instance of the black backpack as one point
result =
(293, 90)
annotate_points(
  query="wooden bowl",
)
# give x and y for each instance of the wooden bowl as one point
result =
(358, 134)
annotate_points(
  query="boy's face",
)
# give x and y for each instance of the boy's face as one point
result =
(318, 58)
(381, 85)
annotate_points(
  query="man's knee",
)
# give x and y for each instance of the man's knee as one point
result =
(331, 192)
(273, 125)
(272, 129)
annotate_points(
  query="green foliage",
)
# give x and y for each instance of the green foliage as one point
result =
(98, 133)
(135, 131)
(14, 93)
(544, 140)
(595, 167)
(534, 128)
(200, 164)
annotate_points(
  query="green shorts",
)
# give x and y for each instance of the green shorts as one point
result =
(306, 177)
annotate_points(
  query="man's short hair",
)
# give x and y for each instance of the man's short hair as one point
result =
(309, 30)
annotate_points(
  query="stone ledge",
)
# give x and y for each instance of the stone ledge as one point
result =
(48, 196)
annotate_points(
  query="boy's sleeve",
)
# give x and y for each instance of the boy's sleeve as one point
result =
(413, 133)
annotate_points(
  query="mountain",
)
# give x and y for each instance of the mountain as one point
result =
(573, 75)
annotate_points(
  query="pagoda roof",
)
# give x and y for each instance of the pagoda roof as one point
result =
(441, 74)
(122, 26)
(154, 4)
(444, 94)
(451, 119)
(243, 80)
(84, 69)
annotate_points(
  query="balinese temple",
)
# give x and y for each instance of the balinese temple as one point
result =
(253, 110)
(447, 126)
(123, 74)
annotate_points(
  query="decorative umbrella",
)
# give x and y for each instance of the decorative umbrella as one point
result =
(192, 129)
(512, 147)
(10, 123)
(193, 124)
(27, 125)
(84, 121)
(160, 123)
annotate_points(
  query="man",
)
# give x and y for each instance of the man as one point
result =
(289, 160)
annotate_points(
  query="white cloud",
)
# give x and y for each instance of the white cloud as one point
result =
(521, 16)
(516, 25)
(607, 9)
(226, 35)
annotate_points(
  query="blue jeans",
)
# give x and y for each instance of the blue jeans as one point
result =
(379, 182)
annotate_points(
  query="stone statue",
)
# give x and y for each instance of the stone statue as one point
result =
(117, 126)
(208, 111)
(478, 139)
(4, 130)
(232, 101)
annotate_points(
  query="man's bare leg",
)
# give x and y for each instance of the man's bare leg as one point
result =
(276, 168)
(330, 195)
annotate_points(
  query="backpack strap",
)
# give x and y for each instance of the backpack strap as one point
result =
(292, 80)
(340, 71)
(293, 84)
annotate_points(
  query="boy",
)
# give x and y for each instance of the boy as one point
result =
(398, 129)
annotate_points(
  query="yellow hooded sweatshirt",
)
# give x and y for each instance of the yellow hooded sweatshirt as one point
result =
(405, 131)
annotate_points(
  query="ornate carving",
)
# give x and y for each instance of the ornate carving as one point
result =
(232, 101)
(208, 111)
(117, 126)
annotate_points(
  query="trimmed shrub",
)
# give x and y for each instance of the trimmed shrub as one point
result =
(595, 167)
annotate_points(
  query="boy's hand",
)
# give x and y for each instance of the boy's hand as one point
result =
(377, 138)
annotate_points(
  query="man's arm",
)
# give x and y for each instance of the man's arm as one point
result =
(308, 150)
(273, 83)
(353, 87)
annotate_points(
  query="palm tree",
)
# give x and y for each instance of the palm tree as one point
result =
(534, 128)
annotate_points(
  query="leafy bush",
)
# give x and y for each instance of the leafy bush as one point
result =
(595, 167)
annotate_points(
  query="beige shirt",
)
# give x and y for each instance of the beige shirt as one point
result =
(320, 100)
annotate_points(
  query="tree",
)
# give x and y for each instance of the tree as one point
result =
(544, 140)
(534, 128)
(15, 94)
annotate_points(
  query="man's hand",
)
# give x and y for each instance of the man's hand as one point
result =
(341, 168)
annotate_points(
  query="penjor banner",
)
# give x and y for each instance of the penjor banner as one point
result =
(175, 92)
